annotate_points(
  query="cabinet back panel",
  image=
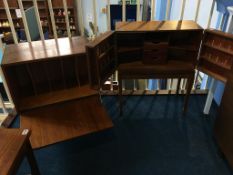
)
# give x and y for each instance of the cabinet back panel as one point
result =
(82, 69)
(71, 79)
(39, 77)
(23, 79)
(55, 74)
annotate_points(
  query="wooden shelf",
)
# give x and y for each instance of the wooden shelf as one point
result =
(129, 49)
(106, 52)
(58, 8)
(56, 97)
(216, 63)
(63, 22)
(62, 16)
(187, 48)
(8, 27)
(65, 121)
(219, 49)
(212, 74)
(1, 18)
(64, 29)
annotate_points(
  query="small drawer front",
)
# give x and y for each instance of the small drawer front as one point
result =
(155, 53)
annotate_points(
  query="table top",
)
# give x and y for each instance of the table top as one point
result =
(11, 145)
(157, 26)
(29, 52)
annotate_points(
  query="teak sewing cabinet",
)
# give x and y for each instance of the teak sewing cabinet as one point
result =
(213, 56)
(159, 49)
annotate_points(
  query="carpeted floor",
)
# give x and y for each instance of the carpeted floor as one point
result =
(151, 138)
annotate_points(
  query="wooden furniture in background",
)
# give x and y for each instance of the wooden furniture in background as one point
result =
(4, 24)
(43, 12)
(44, 16)
(14, 146)
(48, 82)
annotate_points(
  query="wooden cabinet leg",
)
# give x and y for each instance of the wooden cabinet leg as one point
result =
(188, 91)
(31, 160)
(178, 86)
(120, 95)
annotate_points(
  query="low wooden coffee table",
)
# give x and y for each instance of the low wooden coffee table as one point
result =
(14, 145)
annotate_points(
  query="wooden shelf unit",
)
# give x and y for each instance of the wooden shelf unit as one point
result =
(181, 45)
(216, 53)
(37, 80)
(44, 16)
(4, 24)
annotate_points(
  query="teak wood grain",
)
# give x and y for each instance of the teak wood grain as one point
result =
(14, 146)
(157, 26)
(64, 121)
(223, 129)
(56, 97)
(48, 49)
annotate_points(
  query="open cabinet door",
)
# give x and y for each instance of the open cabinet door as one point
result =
(216, 60)
(216, 54)
(223, 130)
(101, 55)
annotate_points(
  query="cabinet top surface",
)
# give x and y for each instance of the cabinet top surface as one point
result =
(157, 26)
(11, 143)
(28, 52)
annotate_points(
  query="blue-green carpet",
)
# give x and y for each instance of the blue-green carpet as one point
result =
(151, 138)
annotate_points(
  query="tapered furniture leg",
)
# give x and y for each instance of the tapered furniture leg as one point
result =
(32, 160)
(14, 146)
(120, 95)
(188, 91)
(178, 86)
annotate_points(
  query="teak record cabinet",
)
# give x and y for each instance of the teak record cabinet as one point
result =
(48, 82)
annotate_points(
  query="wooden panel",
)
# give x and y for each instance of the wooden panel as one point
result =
(223, 126)
(101, 59)
(216, 53)
(129, 46)
(37, 50)
(55, 97)
(12, 144)
(157, 26)
(65, 121)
